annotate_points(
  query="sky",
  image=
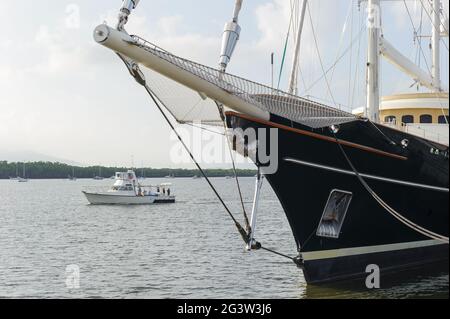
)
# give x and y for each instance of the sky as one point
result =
(63, 95)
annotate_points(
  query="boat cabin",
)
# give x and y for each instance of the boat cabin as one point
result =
(422, 114)
(125, 181)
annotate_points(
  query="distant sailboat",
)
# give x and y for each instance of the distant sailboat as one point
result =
(72, 177)
(142, 172)
(22, 179)
(17, 174)
(99, 176)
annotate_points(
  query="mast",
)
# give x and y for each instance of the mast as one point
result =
(125, 11)
(435, 44)
(373, 60)
(429, 79)
(296, 58)
(271, 68)
(230, 37)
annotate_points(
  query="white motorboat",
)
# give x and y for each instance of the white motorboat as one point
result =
(128, 191)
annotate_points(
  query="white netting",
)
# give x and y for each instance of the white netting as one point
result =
(185, 105)
(277, 102)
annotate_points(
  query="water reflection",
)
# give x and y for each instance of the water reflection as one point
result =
(399, 285)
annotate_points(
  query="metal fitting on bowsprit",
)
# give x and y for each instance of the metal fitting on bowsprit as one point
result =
(125, 11)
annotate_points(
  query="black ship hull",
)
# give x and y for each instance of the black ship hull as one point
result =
(408, 173)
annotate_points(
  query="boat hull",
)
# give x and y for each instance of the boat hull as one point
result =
(111, 199)
(312, 164)
(346, 264)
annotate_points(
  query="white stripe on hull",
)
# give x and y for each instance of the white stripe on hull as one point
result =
(384, 179)
(344, 252)
(102, 199)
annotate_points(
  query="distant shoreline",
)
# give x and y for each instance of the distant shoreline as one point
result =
(55, 170)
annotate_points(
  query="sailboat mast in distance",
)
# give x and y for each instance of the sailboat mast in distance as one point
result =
(296, 59)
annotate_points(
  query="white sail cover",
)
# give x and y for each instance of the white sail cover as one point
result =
(185, 105)
(188, 106)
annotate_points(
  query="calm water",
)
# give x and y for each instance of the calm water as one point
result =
(184, 250)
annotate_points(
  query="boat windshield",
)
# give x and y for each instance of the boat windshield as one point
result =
(122, 188)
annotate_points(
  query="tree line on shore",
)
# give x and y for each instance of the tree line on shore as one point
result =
(50, 170)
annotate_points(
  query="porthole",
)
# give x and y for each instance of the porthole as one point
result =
(407, 119)
(426, 119)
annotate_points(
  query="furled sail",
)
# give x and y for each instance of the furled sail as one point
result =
(185, 105)
(232, 91)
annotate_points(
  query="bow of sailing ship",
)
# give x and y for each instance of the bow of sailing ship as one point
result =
(357, 189)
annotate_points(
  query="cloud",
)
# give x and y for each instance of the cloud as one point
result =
(60, 77)
(170, 25)
(59, 52)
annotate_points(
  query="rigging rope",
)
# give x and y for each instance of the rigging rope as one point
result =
(341, 38)
(389, 209)
(222, 116)
(204, 129)
(416, 32)
(425, 59)
(356, 78)
(283, 59)
(138, 76)
(320, 57)
(240, 229)
(277, 253)
(437, 27)
(387, 138)
(358, 37)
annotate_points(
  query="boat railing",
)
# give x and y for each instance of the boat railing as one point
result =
(431, 131)
(435, 132)
(307, 112)
(96, 189)
(148, 188)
